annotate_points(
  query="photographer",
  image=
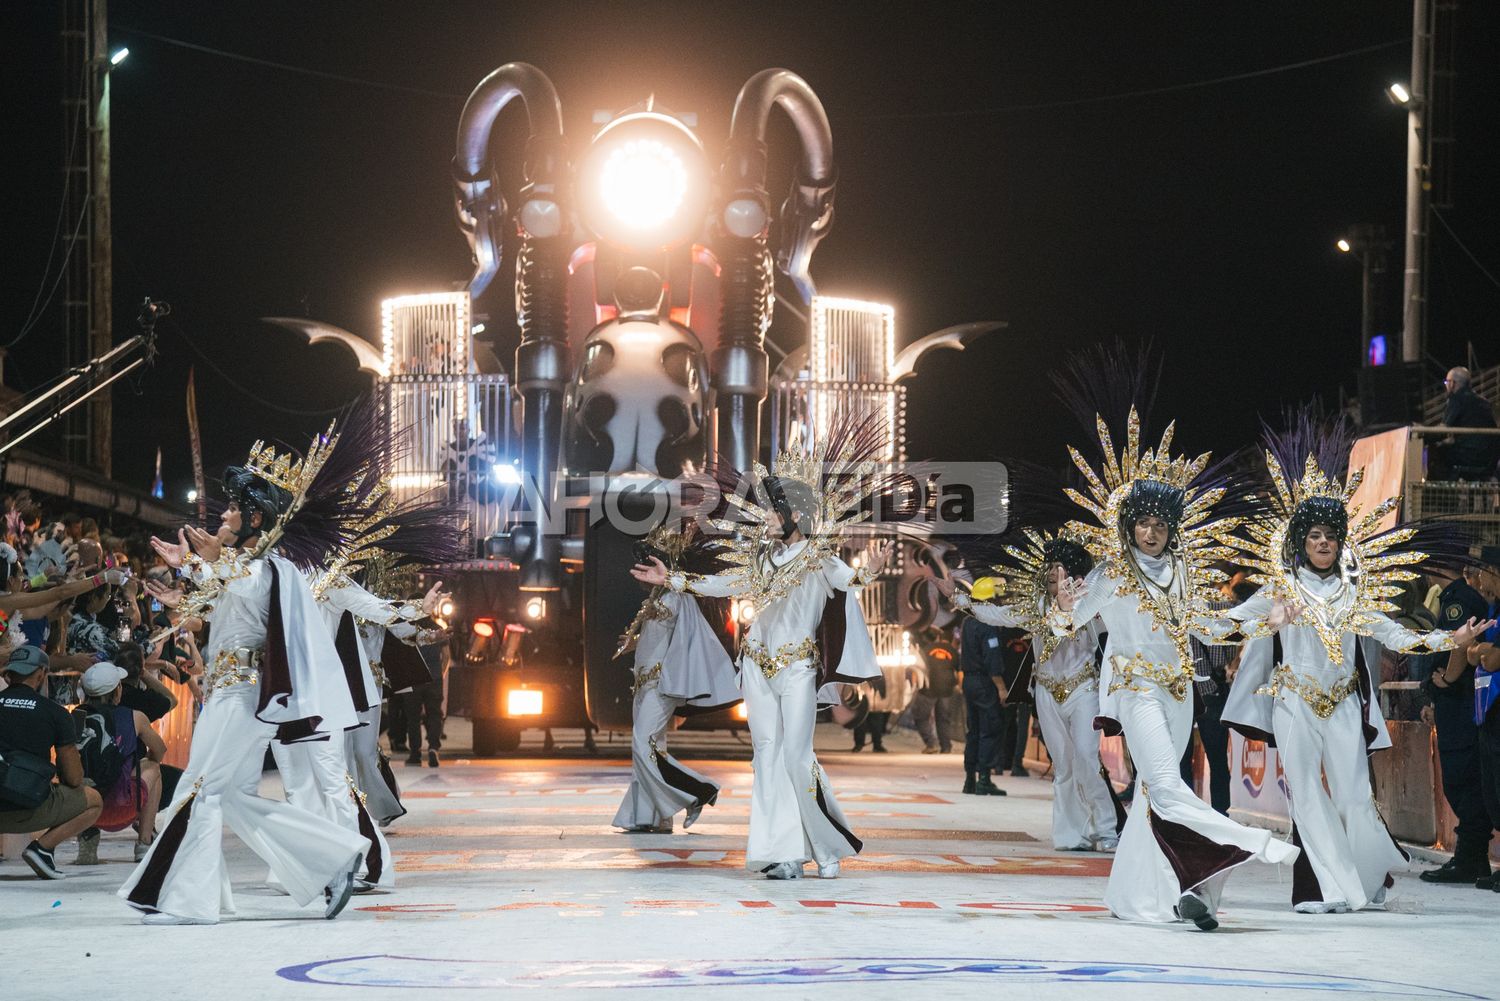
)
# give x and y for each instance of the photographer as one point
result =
(32, 727)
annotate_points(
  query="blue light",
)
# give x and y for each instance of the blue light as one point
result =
(1377, 350)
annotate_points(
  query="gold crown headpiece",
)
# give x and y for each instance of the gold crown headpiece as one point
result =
(1109, 486)
(284, 469)
(1314, 483)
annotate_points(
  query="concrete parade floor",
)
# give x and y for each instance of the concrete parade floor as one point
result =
(510, 878)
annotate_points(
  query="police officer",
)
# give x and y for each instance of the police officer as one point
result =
(984, 693)
(1451, 687)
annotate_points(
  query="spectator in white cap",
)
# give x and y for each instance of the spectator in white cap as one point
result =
(121, 756)
(31, 727)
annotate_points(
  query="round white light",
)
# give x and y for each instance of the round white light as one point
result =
(446, 608)
(746, 611)
(504, 472)
(541, 217)
(1344, 246)
(643, 183)
(1400, 93)
(192, 496)
(744, 217)
(535, 608)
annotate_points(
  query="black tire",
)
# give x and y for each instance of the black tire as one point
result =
(494, 737)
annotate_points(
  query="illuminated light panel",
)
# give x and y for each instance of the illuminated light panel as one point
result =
(415, 328)
(643, 183)
(852, 341)
(484, 628)
(401, 480)
(523, 702)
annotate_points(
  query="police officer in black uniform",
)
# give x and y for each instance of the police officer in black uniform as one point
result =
(1458, 739)
(984, 692)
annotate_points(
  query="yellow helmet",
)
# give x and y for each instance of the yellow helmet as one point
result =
(985, 588)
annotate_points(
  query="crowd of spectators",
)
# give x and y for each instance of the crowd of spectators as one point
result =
(88, 664)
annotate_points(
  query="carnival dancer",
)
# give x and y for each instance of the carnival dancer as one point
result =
(1309, 690)
(265, 681)
(808, 634)
(331, 777)
(682, 665)
(1085, 813)
(1154, 541)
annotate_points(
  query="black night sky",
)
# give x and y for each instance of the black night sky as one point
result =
(1203, 217)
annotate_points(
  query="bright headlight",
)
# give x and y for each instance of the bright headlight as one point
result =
(643, 184)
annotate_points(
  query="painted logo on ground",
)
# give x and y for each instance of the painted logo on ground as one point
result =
(459, 974)
(478, 859)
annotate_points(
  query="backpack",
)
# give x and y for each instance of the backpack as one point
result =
(103, 760)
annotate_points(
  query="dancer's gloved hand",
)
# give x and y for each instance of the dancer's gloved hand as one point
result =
(653, 573)
(205, 545)
(1283, 613)
(1070, 592)
(434, 598)
(173, 554)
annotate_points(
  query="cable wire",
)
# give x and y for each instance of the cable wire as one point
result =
(249, 393)
(32, 316)
(289, 67)
(1467, 252)
(1125, 95)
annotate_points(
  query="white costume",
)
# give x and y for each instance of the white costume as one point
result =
(679, 661)
(1067, 702)
(793, 814)
(265, 680)
(1176, 851)
(1324, 719)
(1310, 689)
(323, 776)
(1173, 842)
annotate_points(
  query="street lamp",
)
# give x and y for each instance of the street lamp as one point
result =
(1398, 94)
(1369, 244)
(118, 57)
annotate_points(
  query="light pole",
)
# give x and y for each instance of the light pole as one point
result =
(1369, 245)
(1413, 97)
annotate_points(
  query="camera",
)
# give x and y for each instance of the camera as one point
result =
(644, 551)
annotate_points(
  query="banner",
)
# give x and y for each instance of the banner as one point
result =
(197, 445)
(1257, 784)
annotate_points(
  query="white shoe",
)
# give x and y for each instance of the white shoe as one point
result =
(141, 850)
(163, 918)
(1321, 907)
(829, 871)
(337, 892)
(783, 870)
(1191, 907)
(363, 885)
(1106, 844)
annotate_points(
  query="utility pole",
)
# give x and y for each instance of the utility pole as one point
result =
(1414, 285)
(101, 278)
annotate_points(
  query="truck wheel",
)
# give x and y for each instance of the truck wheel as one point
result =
(495, 736)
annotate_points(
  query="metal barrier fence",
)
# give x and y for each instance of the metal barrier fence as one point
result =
(1472, 505)
(810, 406)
